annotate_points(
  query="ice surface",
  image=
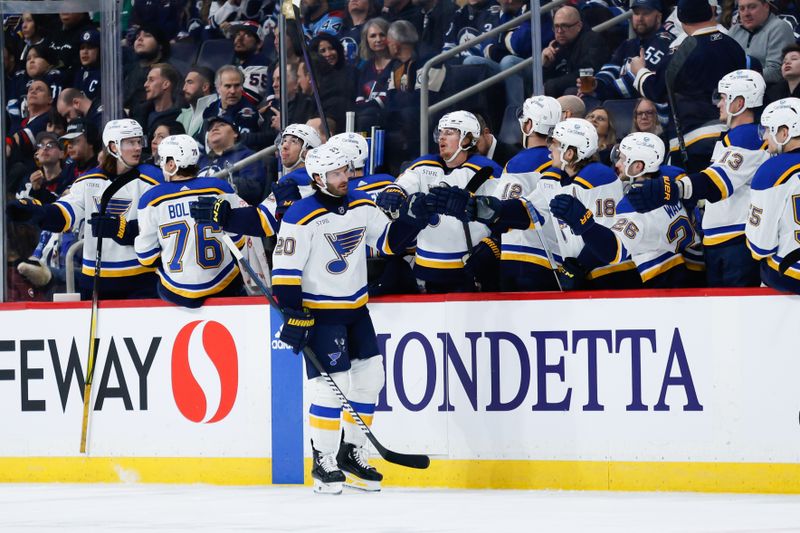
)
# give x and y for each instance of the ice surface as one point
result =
(198, 508)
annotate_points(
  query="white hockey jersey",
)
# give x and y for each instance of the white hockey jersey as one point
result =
(773, 225)
(195, 263)
(736, 158)
(441, 248)
(83, 200)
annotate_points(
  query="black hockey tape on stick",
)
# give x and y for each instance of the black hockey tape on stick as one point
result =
(675, 65)
(402, 459)
(475, 182)
(105, 198)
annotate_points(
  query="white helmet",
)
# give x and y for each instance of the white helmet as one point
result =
(576, 133)
(463, 121)
(644, 147)
(784, 112)
(544, 112)
(321, 160)
(183, 149)
(117, 130)
(354, 144)
(306, 134)
(748, 84)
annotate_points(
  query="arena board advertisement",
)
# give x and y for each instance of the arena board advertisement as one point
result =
(577, 388)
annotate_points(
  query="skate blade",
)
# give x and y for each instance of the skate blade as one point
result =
(363, 485)
(327, 488)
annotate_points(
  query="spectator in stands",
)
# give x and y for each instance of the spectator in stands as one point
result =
(397, 10)
(471, 20)
(229, 82)
(34, 31)
(161, 132)
(316, 123)
(22, 240)
(373, 74)
(55, 122)
(574, 47)
(161, 104)
(44, 181)
(39, 101)
(650, 38)
(248, 41)
(509, 49)
(170, 16)
(645, 118)
(87, 77)
(73, 103)
(790, 72)
(66, 40)
(336, 80)
(83, 146)
(358, 12)
(224, 151)
(571, 107)
(198, 94)
(432, 21)
(40, 65)
(150, 47)
(606, 133)
(763, 36)
(294, 50)
(299, 106)
(402, 102)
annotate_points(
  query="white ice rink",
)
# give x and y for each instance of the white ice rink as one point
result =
(199, 508)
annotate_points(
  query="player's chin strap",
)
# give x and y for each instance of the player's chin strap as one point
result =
(633, 176)
(300, 159)
(460, 149)
(730, 113)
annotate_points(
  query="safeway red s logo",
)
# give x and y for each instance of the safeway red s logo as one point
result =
(199, 343)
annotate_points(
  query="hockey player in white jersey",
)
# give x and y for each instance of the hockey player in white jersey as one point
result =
(772, 226)
(320, 280)
(356, 144)
(442, 248)
(654, 240)
(121, 274)
(576, 172)
(522, 268)
(193, 264)
(725, 185)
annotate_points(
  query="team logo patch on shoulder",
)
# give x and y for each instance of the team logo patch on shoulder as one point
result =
(116, 206)
(343, 244)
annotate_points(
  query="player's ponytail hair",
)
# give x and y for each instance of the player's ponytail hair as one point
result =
(109, 164)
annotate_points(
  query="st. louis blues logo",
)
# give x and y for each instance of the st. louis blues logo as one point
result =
(335, 356)
(343, 244)
(116, 206)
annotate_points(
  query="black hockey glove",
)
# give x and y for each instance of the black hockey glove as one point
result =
(25, 210)
(572, 275)
(210, 210)
(390, 200)
(572, 212)
(414, 212)
(484, 209)
(451, 201)
(484, 260)
(654, 193)
(286, 193)
(297, 324)
(114, 227)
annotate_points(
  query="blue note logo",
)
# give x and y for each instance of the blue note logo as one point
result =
(116, 206)
(343, 244)
(335, 356)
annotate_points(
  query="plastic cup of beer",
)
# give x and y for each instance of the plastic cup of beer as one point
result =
(586, 76)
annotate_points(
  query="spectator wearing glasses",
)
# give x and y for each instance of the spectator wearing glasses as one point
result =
(44, 182)
(763, 36)
(645, 118)
(790, 74)
(574, 47)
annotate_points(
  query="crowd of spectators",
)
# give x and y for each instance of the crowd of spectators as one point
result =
(365, 57)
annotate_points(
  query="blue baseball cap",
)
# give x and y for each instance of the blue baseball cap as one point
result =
(91, 37)
(655, 5)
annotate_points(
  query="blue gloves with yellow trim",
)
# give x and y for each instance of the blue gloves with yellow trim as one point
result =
(25, 210)
(286, 193)
(390, 200)
(414, 212)
(297, 325)
(114, 227)
(572, 274)
(655, 192)
(210, 210)
(572, 212)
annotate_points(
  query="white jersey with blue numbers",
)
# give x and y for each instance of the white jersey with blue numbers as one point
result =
(772, 228)
(654, 240)
(737, 156)
(83, 200)
(194, 262)
(442, 246)
(597, 188)
(324, 252)
(520, 178)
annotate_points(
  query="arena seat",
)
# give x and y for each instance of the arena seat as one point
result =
(215, 52)
(509, 129)
(621, 112)
(182, 56)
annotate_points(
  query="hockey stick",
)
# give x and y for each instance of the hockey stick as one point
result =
(307, 59)
(110, 191)
(539, 229)
(790, 259)
(674, 67)
(409, 460)
(475, 182)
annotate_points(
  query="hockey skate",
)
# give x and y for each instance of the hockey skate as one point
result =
(328, 478)
(358, 472)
